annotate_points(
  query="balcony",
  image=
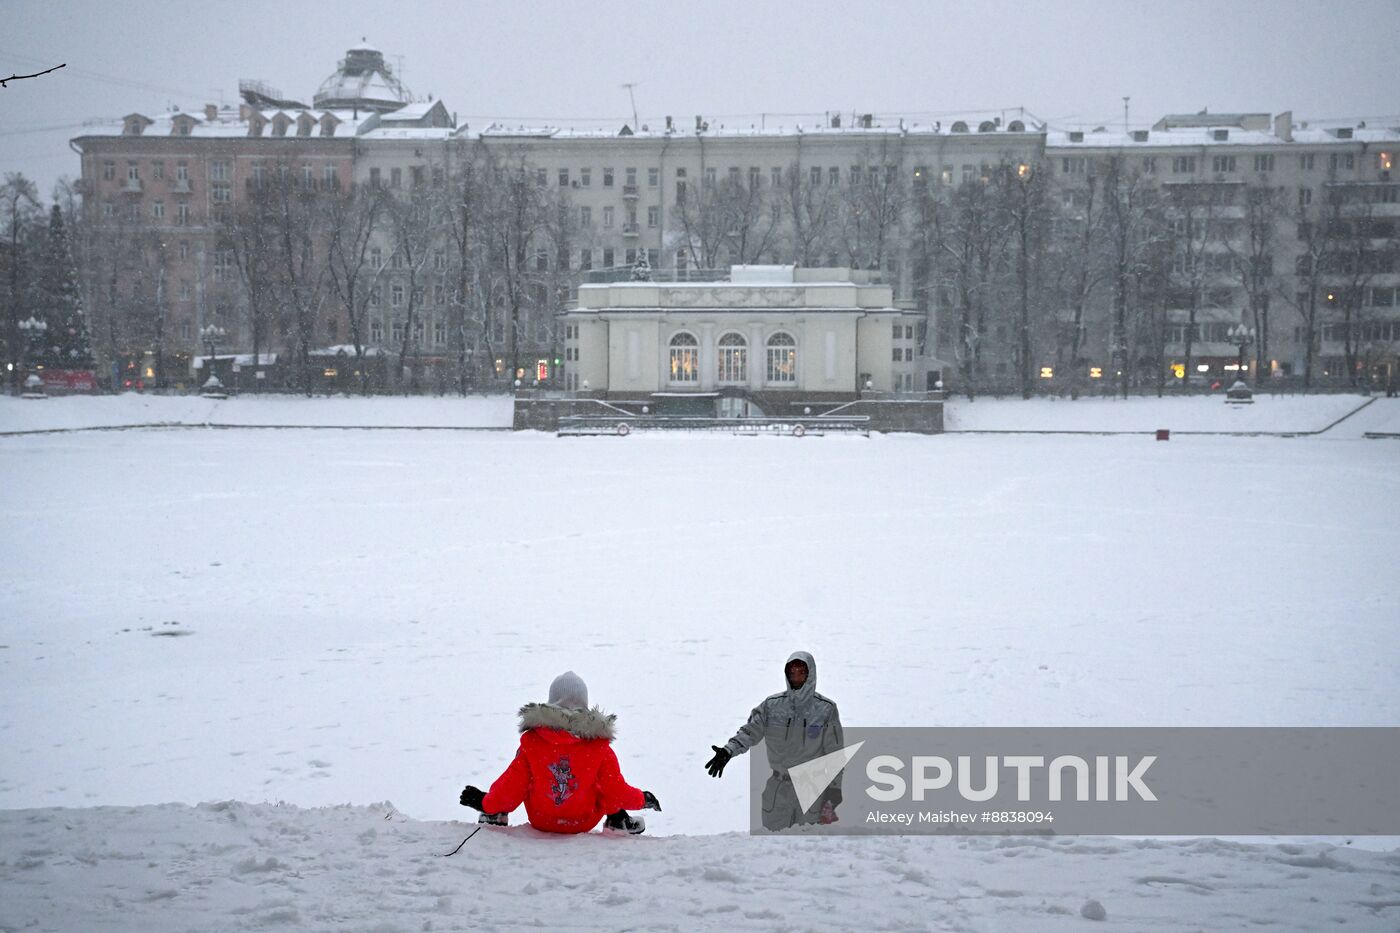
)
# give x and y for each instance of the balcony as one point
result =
(180, 186)
(132, 186)
(629, 191)
(631, 230)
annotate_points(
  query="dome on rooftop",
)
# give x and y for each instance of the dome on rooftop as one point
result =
(365, 81)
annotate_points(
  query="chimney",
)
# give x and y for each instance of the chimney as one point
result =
(1283, 126)
(697, 123)
(668, 124)
(211, 112)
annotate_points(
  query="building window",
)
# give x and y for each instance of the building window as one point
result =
(1183, 165)
(1149, 165)
(396, 296)
(585, 260)
(182, 214)
(855, 175)
(439, 260)
(1304, 197)
(157, 170)
(376, 297)
(755, 176)
(653, 178)
(585, 216)
(223, 265)
(1305, 162)
(396, 332)
(653, 216)
(158, 209)
(221, 193)
(439, 332)
(1264, 163)
(733, 359)
(631, 178)
(308, 177)
(654, 258)
(1070, 165)
(685, 358)
(186, 292)
(1222, 163)
(782, 359)
(396, 260)
(182, 171)
(376, 332)
(184, 249)
(607, 178)
(541, 260)
(395, 177)
(816, 175)
(833, 176)
(777, 177)
(563, 178)
(374, 178)
(376, 258)
(109, 171)
(218, 171)
(608, 255)
(133, 172)
(416, 179)
(631, 257)
(439, 296)
(585, 177)
(1342, 160)
(607, 216)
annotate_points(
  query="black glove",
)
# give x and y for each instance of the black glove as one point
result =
(716, 764)
(651, 802)
(472, 797)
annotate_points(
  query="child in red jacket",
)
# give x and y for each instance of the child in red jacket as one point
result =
(565, 771)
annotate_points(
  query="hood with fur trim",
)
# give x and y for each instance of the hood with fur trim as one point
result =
(582, 723)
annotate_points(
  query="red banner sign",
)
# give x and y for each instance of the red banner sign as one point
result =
(70, 380)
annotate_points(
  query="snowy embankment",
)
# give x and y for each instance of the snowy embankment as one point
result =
(1269, 414)
(131, 409)
(235, 866)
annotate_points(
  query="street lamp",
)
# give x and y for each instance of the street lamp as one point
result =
(1242, 337)
(33, 330)
(212, 333)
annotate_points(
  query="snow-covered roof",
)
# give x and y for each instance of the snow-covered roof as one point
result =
(230, 122)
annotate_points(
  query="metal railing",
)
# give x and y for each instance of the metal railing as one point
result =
(621, 425)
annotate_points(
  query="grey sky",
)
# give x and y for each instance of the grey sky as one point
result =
(1069, 61)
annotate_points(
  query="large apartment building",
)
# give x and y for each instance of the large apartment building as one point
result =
(693, 197)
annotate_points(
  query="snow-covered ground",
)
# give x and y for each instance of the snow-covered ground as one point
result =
(1267, 413)
(236, 866)
(132, 409)
(338, 617)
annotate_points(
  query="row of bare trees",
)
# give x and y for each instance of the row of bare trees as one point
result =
(1028, 264)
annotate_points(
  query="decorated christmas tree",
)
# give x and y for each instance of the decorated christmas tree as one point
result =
(641, 272)
(67, 344)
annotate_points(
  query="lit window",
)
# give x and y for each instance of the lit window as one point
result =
(733, 359)
(685, 358)
(782, 359)
(1047, 372)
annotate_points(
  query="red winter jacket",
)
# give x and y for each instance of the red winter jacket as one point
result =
(565, 772)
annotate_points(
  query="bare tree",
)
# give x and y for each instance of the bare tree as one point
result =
(1197, 242)
(1133, 228)
(1022, 191)
(1253, 252)
(809, 207)
(352, 221)
(298, 223)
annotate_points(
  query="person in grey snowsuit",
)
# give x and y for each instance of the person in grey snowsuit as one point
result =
(796, 726)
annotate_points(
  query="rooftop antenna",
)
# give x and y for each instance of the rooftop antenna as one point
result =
(630, 96)
(1125, 114)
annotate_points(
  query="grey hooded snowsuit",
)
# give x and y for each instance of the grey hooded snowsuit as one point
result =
(795, 726)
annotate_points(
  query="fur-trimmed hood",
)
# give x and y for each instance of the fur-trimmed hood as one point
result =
(582, 723)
